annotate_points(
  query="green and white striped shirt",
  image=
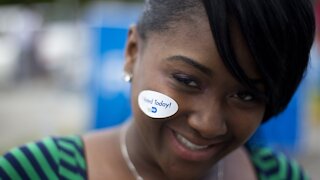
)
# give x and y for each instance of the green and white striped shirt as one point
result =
(63, 158)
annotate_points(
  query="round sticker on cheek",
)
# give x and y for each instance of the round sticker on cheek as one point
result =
(157, 105)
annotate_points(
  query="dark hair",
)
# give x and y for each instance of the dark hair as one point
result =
(279, 35)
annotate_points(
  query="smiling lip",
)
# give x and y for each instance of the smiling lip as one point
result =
(187, 150)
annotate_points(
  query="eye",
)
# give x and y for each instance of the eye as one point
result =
(186, 80)
(245, 96)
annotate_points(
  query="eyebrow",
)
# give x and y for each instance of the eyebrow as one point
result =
(207, 71)
(193, 63)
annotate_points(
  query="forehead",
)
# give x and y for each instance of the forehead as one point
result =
(193, 37)
(184, 37)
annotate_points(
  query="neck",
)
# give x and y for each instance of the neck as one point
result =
(139, 154)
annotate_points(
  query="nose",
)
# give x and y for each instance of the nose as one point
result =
(209, 121)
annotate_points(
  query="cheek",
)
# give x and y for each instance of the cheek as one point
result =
(243, 125)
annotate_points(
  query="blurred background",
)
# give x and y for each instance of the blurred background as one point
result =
(61, 73)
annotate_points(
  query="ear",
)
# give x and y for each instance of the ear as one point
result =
(131, 50)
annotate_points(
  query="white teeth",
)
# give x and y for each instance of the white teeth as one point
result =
(189, 144)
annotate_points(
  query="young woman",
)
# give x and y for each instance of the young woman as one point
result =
(204, 76)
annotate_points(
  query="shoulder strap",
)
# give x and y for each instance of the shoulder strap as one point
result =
(273, 166)
(50, 158)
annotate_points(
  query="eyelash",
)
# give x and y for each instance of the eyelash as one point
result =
(187, 81)
(245, 96)
(193, 84)
(248, 96)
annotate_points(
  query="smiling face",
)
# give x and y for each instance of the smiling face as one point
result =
(216, 114)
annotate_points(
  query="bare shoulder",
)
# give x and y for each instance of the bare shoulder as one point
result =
(102, 153)
(239, 166)
(104, 136)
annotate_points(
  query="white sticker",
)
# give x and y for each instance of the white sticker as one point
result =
(157, 105)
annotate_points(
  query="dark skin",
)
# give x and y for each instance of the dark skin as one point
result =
(214, 108)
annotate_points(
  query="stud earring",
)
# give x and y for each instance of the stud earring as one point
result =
(127, 77)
